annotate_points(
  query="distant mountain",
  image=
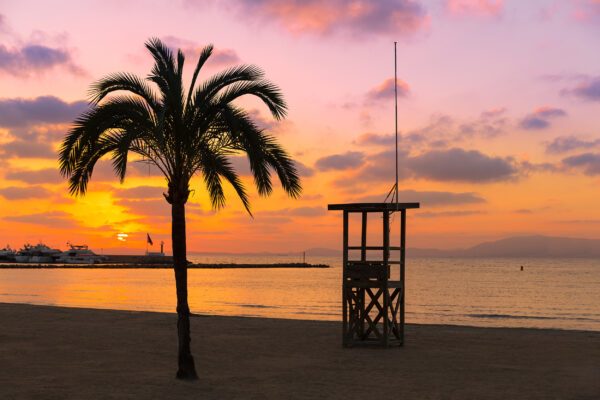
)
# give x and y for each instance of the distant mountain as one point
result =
(521, 246)
(518, 246)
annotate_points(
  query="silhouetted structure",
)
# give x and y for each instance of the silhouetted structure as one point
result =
(373, 305)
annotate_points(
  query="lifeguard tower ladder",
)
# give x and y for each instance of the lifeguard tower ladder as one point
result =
(373, 305)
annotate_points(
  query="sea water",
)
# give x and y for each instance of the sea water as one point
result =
(547, 293)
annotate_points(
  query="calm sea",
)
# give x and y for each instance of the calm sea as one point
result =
(548, 293)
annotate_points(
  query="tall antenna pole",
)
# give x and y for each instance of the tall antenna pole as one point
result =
(396, 111)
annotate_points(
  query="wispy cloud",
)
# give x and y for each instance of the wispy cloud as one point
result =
(462, 165)
(540, 118)
(588, 162)
(429, 198)
(385, 91)
(219, 58)
(375, 139)
(42, 176)
(44, 109)
(586, 10)
(485, 8)
(25, 59)
(448, 165)
(52, 219)
(340, 162)
(588, 90)
(564, 144)
(23, 193)
(357, 18)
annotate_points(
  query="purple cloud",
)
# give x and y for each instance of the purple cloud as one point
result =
(533, 122)
(397, 17)
(35, 58)
(48, 176)
(588, 90)
(564, 144)
(482, 8)
(428, 198)
(192, 50)
(589, 162)
(539, 118)
(53, 219)
(375, 139)
(462, 166)
(340, 162)
(25, 149)
(242, 167)
(304, 170)
(316, 211)
(269, 124)
(23, 193)
(385, 91)
(154, 207)
(140, 193)
(222, 57)
(44, 109)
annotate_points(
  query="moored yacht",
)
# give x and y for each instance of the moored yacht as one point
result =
(7, 254)
(40, 253)
(79, 254)
(24, 255)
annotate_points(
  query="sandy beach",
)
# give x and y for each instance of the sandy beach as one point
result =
(70, 353)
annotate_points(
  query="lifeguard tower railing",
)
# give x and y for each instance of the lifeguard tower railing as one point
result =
(373, 303)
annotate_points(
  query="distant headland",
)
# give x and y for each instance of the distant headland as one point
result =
(516, 246)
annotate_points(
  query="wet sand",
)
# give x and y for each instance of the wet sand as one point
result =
(70, 353)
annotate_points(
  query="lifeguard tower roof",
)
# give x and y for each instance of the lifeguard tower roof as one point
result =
(372, 207)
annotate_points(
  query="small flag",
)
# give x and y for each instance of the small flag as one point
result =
(149, 240)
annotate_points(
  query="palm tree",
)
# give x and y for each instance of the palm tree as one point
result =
(182, 134)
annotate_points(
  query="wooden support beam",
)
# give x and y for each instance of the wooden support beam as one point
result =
(344, 289)
(386, 237)
(402, 270)
(363, 237)
(373, 248)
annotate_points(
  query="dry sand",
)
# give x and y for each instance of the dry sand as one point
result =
(69, 353)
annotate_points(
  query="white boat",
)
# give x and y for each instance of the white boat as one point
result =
(79, 254)
(24, 255)
(40, 253)
(7, 253)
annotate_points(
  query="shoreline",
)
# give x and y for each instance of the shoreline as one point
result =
(60, 352)
(200, 315)
(159, 266)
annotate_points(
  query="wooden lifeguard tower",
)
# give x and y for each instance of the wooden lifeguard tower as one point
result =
(373, 304)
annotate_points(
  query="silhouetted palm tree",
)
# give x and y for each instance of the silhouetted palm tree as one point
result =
(182, 134)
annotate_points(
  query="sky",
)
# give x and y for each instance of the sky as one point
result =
(498, 115)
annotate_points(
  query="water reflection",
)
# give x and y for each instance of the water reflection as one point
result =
(482, 292)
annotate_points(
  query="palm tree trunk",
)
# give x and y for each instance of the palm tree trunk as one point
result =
(186, 370)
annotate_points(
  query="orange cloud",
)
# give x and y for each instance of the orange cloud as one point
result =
(475, 7)
(402, 17)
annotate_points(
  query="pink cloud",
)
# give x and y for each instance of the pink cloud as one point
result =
(191, 49)
(401, 17)
(539, 119)
(386, 90)
(486, 8)
(494, 112)
(586, 10)
(589, 90)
